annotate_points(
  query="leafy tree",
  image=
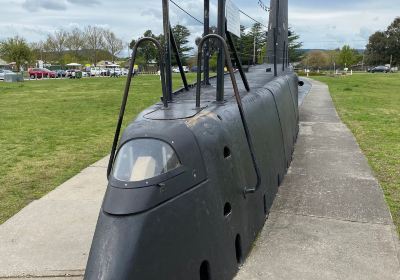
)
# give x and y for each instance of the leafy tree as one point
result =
(259, 40)
(383, 45)
(393, 40)
(348, 56)
(294, 46)
(182, 34)
(377, 48)
(147, 52)
(16, 50)
(212, 44)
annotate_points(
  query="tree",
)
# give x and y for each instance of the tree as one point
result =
(37, 49)
(182, 34)
(348, 56)
(147, 52)
(259, 39)
(333, 58)
(382, 46)
(16, 50)
(213, 45)
(393, 41)
(94, 40)
(377, 50)
(294, 46)
(113, 44)
(75, 41)
(317, 60)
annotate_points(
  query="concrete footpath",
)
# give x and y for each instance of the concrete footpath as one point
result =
(329, 219)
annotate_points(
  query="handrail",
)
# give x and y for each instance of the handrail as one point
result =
(127, 88)
(238, 101)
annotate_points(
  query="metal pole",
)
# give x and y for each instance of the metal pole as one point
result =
(276, 30)
(238, 61)
(167, 49)
(206, 47)
(221, 55)
(178, 60)
(254, 49)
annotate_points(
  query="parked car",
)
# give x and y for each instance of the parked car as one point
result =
(41, 73)
(104, 72)
(194, 69)
(382, 69)
(176, 69)
(125, 71)
(3, 72)
(60, 73)
(115, 72)
(95, 71)
(72, 74)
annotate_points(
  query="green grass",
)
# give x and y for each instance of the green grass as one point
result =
(370, 106)
(52, 129)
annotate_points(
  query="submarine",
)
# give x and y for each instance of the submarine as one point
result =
(191, 179)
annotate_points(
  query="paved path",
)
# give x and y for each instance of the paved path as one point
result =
(52, 236)
(329, 220)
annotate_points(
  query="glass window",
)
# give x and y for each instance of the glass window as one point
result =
(141, 159)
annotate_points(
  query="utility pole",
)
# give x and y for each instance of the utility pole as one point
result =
(390, 63)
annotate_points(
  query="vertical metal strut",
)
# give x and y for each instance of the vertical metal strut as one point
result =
(206, 47)
(237, 59)
(167, 49)
(178, 59)
(276, 30)
(221, 55)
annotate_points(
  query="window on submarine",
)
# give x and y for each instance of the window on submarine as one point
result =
(142, 159)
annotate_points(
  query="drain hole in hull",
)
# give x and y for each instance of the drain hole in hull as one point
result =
(227, 209)
(238, 249)
(265, 204)
(227, 152)
(205, 271)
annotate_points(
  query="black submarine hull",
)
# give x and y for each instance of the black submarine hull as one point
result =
(205, 229)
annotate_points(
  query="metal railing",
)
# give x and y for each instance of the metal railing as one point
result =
(237, 97)
(127, 88)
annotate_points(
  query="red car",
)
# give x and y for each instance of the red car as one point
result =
(41, 73)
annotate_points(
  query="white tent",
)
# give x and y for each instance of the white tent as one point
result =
(74, 64)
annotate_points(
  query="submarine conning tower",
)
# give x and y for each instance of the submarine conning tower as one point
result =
(192, 179)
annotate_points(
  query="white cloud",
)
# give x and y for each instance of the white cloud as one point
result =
(321, 24)
(36, 5)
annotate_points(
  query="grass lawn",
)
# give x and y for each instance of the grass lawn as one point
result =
(52, 129)
(370, 106)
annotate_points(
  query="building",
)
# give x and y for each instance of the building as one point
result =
(4, 64)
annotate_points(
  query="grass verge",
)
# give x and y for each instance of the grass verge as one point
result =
(369, 104)
(52, 129)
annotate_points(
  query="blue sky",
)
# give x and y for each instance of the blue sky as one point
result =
(320, 23)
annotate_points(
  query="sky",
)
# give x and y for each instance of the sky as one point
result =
(321, 24)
